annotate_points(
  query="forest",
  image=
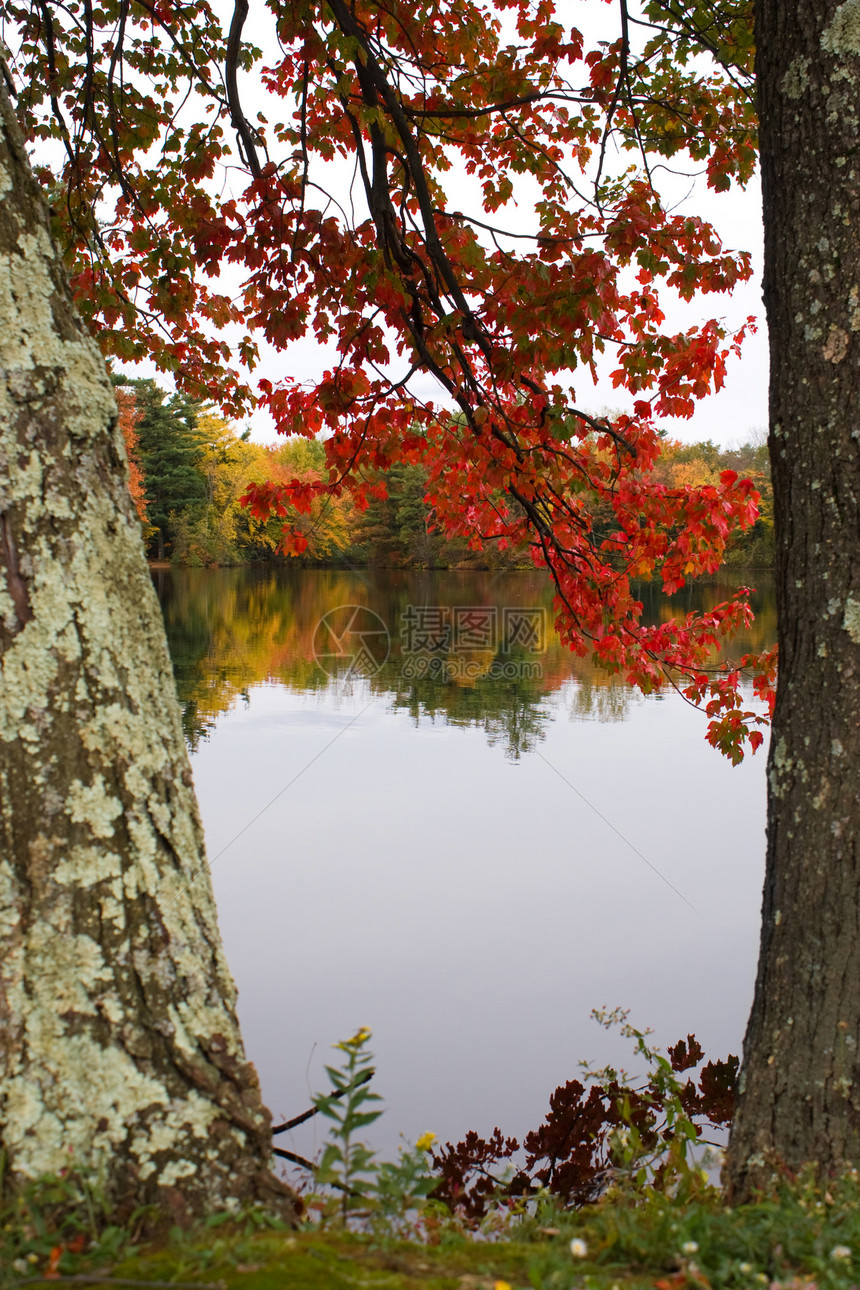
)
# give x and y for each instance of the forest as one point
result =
(190, 470)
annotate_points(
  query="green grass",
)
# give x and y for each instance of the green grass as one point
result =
(803, 1237)
(662, 1224)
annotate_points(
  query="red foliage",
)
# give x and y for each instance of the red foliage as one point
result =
(504, 318)
(129, 415)
(570, 1154)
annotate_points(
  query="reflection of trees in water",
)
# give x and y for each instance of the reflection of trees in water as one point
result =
(587, 701)
(511, 712)
(232, 629)
(705, 595)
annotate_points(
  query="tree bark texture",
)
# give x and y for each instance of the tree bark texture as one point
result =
(120, 1054)
(799, 1097)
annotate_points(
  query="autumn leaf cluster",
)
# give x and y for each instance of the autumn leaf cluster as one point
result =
(504, 232)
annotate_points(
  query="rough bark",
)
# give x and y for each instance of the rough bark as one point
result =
(120, 1054)
(799, 1100)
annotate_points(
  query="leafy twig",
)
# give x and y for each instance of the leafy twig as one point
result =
(315, 1110)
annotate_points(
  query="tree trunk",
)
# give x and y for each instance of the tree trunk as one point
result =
(799, 1097)
(120, 1054)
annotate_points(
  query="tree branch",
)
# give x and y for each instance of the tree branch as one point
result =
(308, 1115)
(237, 116)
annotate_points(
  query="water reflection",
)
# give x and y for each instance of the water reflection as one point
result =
(458, 649)
(386, 852)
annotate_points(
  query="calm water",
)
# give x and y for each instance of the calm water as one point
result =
(426, 817)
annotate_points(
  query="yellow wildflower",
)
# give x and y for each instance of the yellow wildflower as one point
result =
(360, 1037)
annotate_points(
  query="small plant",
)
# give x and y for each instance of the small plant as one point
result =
(391, 1198)
(347, 1164)
(605, 1131)
(401, 1191)
(664, 1119)
(58, 1225)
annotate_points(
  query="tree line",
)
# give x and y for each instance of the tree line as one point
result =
(189, 469)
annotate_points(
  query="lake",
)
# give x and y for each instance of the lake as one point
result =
(425, 817)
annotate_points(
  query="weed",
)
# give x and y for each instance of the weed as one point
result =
(401, 1190)
(608, 1131)
(58, 1224)
(347, 1164)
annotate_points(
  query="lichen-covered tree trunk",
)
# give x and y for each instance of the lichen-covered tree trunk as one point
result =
(120, 1054)
(800, 1098)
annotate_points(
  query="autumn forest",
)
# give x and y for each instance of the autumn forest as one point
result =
(190, 470)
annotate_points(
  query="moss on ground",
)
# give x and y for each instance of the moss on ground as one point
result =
(806, 1237)
(314, 1261)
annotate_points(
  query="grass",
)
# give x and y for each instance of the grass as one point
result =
(661, 1224)
(804, 1236)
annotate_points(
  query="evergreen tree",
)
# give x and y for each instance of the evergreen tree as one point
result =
(171, 450)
